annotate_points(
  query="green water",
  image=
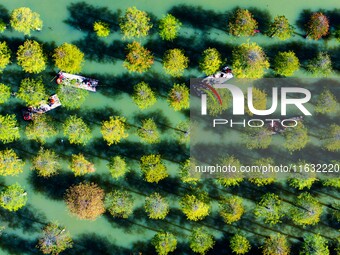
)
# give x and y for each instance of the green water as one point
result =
(112, 236)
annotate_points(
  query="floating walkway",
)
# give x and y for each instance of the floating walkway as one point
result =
(77, 81)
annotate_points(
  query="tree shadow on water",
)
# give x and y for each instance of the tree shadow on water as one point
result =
(17, 245)
(4, 15)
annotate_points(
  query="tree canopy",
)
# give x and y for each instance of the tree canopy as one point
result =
(210, 61)
(10, 163)
(5, 93)
(239, 244)
(9, 130)
(169, 27)
(113, 130)
(183, 132)
(326, 102)
(148, 131)
(332, 141)
(242, 23)
(119, 203)
(69, 58)
(156, 206)
(13, 197)
(31, 57)
(280, 28)
(231, 209)
(76, 130)
(138, 59)
(257, 138)
(46, 163)
(321, 65)
(32, 91)
(270, 209)
(276, 245)
(102, 29)
(186, 173)
(164, 242)
(314, 244)
(175, 62)
(231, 178)
(80, 165)
(117, 167)
(24, 20)
(153, 168)
(179, 97)
(286, 63)
(317, 26)
(143, 96)
(259, 100)
(195, 207)
(41, 128)
(201, 240)
(260, 178)
(71, 97)
(135, 23)
(296, 138)
(5, 55)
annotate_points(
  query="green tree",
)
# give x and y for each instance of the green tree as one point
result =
(32, 91)
(211, 61)
(54, 239)
(41, 128)
(164, 242)
(332, 140)
(169, 27)
(148, 131)
(296, 138)
(179, 97)
(153, 168)
(337, 34)
(69, 58)
(10, 163)
(314, 244)
(214, 106)
(76, 130)
(317, 26)
(138, 59)
(135, 23)
(24, 20)
(280, 28)
(9, 130)
(195, 207)
(186, 172)
(259, 100)
(85, 200)
(242, 23)
(30, 57)
(71, 97)
(13, 197)
(239, 244)
(276, 245)
(119, 203)
(321, 65)
(5, 93)
(5, 56)
(201, 241)
(302, 179)
(2, 26)
(80, 165)
(143, 96)
(307, 211)
(326, 102)
(156, 206)
(231, 178)
(46, 163)
(231, 209)
(175, 62)
(102, 29)
(113, 130)
(184, 129)
(257, 138)
(269, 209)
(117, 167)
(262, 178)
(286, 63)
(249, 61)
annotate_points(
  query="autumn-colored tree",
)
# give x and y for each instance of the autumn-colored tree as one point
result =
(138, 59)
(5, 93)
(69, 58)
(41, 128)
(257, 138)
(231, 209)
(242, 23)
(32, 91)
(280, 28)
(169, 27)
(296, 138)
(195, 207)
(326, 102)
(258, 100)
(117, 167)
(5, 56)
(143, 96)
(71, 97)
(85, 200)
(232, 178)
(317, 26)
(263, 178)
(175, 62)
(148, 131)
(332, 141)
(187, 174)
(135, 23)
(76, 130)
(239, 244)
(156, 206)
(80, 165)
(179, 97)
(119, 203)
(269, 209)
(10, 163)
(13, 197)
(249, 61)
(31, 57)
(307, 211)
(276, 245)
(321, 65)
(153, 168)
(54, 239)
(113, 130)
(201, 241)
(46, 163)
(24, 20)
(184, 129)
(102, 29)
(286, 63)
(164, 242)
(9, 130)
(314, 244)
(211, 61)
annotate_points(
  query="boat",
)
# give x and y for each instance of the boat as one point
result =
(77, 81)
(220, 77)
(45, 106)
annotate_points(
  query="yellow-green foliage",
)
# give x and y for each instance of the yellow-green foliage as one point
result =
(101, 28)
(32, 91)
(13, 197)
(46, 163)
(24, 20)
(326, 102)
(138, 59)
(231, 209)
(156, 206)
(135, 23)
(239, 244)
(332, 141)
(164, 242)
(175, 62)
(153, 168)
(80, 165)
(179, 97)
(211, 61)
(76, 130)
(117, 167)
(41, 128)
(276, 245)
(9, 130)
(143, 96)
(194, 207)
(169, 27)
(286, 63)
(10, 164)
(5, 93)
(259, 100)
(68, 58)
(30, 57)
(242, 23)
(280, 28)
(113, 130)
(5, 56)
(296, 138)
(148, 132)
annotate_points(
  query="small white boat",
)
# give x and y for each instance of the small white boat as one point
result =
(52, 103)
(77, 81)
